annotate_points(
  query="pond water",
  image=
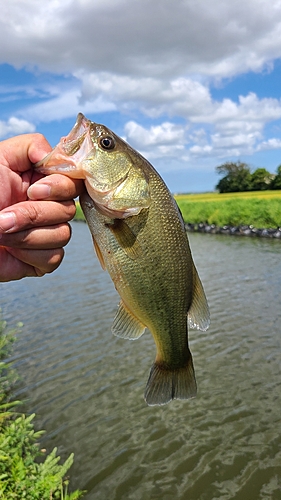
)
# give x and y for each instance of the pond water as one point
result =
(86, 386)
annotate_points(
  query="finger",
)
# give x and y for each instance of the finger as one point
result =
(43, 261)
(12, 268)
(28, 214)
(39, 147)
(55, 187)
(41, 238)
(19, 152)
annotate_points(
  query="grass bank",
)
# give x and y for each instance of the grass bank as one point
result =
(79, 212)
(259, 208)
(26, 472)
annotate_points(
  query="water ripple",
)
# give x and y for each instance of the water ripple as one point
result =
(87, 386)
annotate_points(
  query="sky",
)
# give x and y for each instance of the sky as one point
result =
(189, 84)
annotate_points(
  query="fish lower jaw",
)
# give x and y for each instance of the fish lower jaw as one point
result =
(63, 169)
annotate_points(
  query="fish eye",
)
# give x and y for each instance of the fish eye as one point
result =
(107, 142)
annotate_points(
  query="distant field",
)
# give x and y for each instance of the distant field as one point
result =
(262, 209)
(259, 208)
(225, 196)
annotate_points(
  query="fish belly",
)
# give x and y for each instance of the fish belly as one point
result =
(151, 269)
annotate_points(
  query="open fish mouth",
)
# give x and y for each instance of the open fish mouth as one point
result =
(66, 156)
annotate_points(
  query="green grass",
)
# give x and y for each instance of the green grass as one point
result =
(262, 209)
(259, 208)
(22, 476)
(215, 196)
(79, 212)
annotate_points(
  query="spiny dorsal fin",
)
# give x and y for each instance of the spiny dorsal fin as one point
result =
(198, 314)
(126, 325)
(126, 238)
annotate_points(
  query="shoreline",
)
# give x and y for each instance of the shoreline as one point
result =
(241, 230)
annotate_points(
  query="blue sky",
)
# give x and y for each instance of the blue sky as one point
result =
(190, 87)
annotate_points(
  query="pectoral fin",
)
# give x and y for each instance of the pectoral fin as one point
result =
(126, 325)
(99, 254)
(198, 314)
(126, 238)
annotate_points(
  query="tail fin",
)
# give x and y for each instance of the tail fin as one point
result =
(165, 384)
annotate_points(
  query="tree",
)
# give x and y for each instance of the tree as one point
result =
(276, 182)
(261, 179)
(237, 178)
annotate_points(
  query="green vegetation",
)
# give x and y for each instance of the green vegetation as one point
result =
(22, 475)
(79, 212)
(261, 208)
(238, 177)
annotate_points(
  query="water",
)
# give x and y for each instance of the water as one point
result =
(86, 386)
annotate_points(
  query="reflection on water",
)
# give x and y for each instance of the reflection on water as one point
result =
(86, 386)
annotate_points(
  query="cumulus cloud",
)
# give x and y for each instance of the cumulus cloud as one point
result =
(234, 129)
(153, 96)
(65, 105)
(273, 143)
(210, 127)
(152, 65)
(15, 126)
(214, 39)
(157, 141)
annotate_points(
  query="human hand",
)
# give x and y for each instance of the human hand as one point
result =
(34, 210)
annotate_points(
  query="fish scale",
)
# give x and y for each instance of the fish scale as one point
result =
(140, 239)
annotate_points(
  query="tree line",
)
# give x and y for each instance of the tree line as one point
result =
(238, 177)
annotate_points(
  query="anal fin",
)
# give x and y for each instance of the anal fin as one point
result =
(198, 315)
(126, 325)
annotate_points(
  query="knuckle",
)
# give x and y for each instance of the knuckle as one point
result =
(49, 262)
(17, 240)
(70, 208)
(55, 259)
(30, 213)
(39, 272)
(38, 137)
(63, 234)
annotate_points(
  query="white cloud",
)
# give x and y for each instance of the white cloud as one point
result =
(215, 38)
(158, 141)
(183, 97)
(149, 62)
(249, 108)
(215, 128)
(65, 105)
(273, 143)
(201, 150)
(166, 133)
(234, 129)
(15, 126)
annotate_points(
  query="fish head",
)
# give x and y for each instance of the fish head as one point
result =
(111, 169)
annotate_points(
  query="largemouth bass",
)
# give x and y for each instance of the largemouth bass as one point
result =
(140, 239)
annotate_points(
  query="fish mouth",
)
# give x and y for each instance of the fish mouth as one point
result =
(66, 156)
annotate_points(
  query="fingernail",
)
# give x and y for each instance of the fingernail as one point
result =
(39, 191)
(7, 221)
